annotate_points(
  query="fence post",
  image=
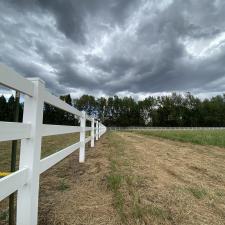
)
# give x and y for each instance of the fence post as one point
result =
(99, 130)
(96, 130)
(93, 132)
(27, 198)
(82, 137)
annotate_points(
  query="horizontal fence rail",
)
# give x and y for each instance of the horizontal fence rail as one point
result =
(54, 101)
(51, 160)
(14, 131)
(48, 130)
(30, 132)
(11, 79)
(13, 182)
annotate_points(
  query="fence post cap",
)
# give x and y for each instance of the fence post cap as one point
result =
(36, 79)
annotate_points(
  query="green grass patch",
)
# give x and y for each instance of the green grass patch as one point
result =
(63, 186)
(220, 193)
(119, 205)
(140, 211)
(114, 181)
(4, 215)
(201, 137)
(198, 192)
(158, 212)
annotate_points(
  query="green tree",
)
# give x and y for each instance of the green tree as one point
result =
(3, 109)
(86, 103)
(10, 108)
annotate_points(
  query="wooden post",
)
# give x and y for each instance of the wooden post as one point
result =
(13, 160)
(27, 198)
(93, 132)
(82, 137)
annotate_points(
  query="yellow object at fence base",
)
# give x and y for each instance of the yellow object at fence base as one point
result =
(4, 174)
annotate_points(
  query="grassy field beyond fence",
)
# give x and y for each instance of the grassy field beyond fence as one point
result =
(202, 137)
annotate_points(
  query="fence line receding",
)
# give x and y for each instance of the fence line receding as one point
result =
(30, 132)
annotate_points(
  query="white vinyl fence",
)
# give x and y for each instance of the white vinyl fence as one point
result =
(31, 131)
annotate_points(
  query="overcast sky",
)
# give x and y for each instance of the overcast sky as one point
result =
(125, 47)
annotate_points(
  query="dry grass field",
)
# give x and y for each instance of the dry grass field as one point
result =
(131, 178)
(167, 182)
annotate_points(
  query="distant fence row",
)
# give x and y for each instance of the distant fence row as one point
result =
(164, 128)
(30, 132)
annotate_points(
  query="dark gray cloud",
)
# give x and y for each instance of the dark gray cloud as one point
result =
(116, 46)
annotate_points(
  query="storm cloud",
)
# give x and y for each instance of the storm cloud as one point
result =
(133, 47)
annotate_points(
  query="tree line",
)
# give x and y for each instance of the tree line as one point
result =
(168, 111)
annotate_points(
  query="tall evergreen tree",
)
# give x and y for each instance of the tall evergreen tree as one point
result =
(3, 109)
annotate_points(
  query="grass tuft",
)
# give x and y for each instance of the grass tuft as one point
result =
(63, 186)
(4, 215)
(119, 204)
(198, 192)
(220, 193)
(138, 211)
(158, 212)
(114, 181)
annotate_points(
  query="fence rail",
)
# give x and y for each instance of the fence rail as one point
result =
(30, 132)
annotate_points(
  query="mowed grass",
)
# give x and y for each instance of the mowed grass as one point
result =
(201, 137)
(127, 185)
(162, 182)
